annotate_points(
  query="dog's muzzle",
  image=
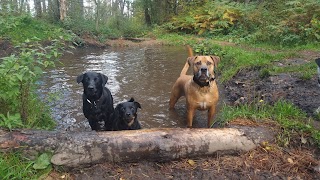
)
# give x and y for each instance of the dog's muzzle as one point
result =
(203, 74)
(129, 120)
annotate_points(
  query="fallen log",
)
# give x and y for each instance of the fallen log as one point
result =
(73, 149)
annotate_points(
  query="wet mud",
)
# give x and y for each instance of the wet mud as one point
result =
(248, 87)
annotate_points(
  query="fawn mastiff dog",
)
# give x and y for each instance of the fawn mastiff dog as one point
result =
(200, 90)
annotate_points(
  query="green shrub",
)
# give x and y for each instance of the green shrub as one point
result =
(18, 86)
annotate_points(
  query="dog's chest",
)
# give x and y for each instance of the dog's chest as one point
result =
(203, 99)
(203, 103)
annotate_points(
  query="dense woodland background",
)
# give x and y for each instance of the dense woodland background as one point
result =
(285, 22)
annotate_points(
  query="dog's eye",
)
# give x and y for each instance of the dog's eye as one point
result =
(209, 63)
(198, 63)
(122, 109)
(95, 79)
(132, 108)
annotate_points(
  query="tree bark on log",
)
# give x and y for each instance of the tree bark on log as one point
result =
(73, 149)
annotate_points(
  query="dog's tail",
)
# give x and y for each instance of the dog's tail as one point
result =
(318, 63)
(187, 65)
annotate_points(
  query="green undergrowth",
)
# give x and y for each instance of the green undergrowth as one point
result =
(291, 119)
(278, 22)
(20, 28)
(13, 165)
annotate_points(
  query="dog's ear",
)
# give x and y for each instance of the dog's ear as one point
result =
(117, 110)
(137, 105)
(216, 60)
(104, 79)
(80, 78)
(131, 99)
(191, 60)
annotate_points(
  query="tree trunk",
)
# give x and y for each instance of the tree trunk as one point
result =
(73, 149)
(22, 6)
(147, 16)
(44, 7)
(97, 14)
(54, 10)
(63, 10)
(81, 8)
(37, 6)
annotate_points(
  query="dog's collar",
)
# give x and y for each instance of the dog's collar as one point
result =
(94, 103)
(203, 84)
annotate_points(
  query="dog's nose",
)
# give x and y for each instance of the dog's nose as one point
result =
(204, 69)
(128, 114)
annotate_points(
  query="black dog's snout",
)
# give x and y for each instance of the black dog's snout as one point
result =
(128, 114)
(90, 87)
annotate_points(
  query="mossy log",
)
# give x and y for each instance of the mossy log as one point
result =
(73, 149)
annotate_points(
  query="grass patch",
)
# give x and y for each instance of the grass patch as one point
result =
(236, 58)
(306, 71)
(174, 39)
(289, 117)
(14, 165)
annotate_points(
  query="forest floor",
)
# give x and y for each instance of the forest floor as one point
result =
(299, 160)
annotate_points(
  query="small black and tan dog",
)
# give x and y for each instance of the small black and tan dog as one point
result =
(125, 116)
(318, 63)
(97, 100)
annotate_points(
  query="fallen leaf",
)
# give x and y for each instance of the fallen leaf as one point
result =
(42, 162)
(191, 162)
(303, 140)
(290, 160)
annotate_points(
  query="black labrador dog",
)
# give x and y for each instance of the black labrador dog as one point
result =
(318, 63)
(125, 116)
(97, 100)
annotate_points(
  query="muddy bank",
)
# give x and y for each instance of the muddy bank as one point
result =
(248, 87)
(89, 40)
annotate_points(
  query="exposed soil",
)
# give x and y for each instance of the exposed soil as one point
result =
(6, 48)
(300, 160)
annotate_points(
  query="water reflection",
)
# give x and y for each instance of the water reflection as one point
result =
(146, 74)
